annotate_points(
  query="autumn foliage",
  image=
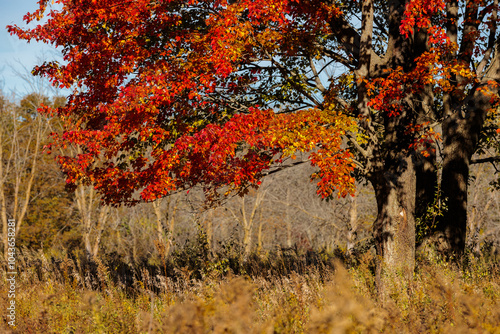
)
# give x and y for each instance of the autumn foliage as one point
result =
(152, 87)
(171, 94)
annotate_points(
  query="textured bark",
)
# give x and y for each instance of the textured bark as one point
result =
(464, 120)
(425, 166)
(288, 220)
(426, 192)
(394, 228)
(164, 235)
(461, 133)
(93, 218)
(247, 221)
(353, 226)
(259, 233)
(462, 124)
(389, 164)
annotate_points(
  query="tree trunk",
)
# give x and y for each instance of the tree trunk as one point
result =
(3, 200)
(93, 217)
(247, 240)
(460, 136)
(451, 231)
(248, 221)
(353, 226)
(462, 125)
(209, 229)
(84, 203)
(159, 226)
(171, 226)
(394, 227)
(259, 233)
(426, 193)
(101, 223)
(288, 220)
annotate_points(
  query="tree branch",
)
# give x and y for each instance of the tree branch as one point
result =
(483, 160)
(491, 41)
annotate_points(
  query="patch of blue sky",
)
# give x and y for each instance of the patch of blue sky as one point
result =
(17, 57)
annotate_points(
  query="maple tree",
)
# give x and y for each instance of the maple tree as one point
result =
(171, 94)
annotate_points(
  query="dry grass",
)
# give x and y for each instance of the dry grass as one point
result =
(440, 299)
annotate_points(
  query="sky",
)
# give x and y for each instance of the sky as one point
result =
(19, 57)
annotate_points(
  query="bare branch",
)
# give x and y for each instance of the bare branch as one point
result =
(483, 160)
(319, 84)
(491, 41)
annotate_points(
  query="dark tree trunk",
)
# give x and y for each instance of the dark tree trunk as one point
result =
(394, 227)
(425, 189)
(461, 132)
(462, 124)
(458, 149)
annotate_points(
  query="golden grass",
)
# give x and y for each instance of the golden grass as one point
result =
(439, 299)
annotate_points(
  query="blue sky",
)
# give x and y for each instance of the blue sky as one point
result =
(18, 55)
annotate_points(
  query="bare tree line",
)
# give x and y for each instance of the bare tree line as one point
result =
(284, 212)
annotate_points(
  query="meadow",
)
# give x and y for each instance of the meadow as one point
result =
(196, 290)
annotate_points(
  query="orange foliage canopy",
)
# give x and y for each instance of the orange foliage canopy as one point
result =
(153, 89)
(168, 94)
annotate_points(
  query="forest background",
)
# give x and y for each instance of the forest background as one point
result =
(284, 212)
